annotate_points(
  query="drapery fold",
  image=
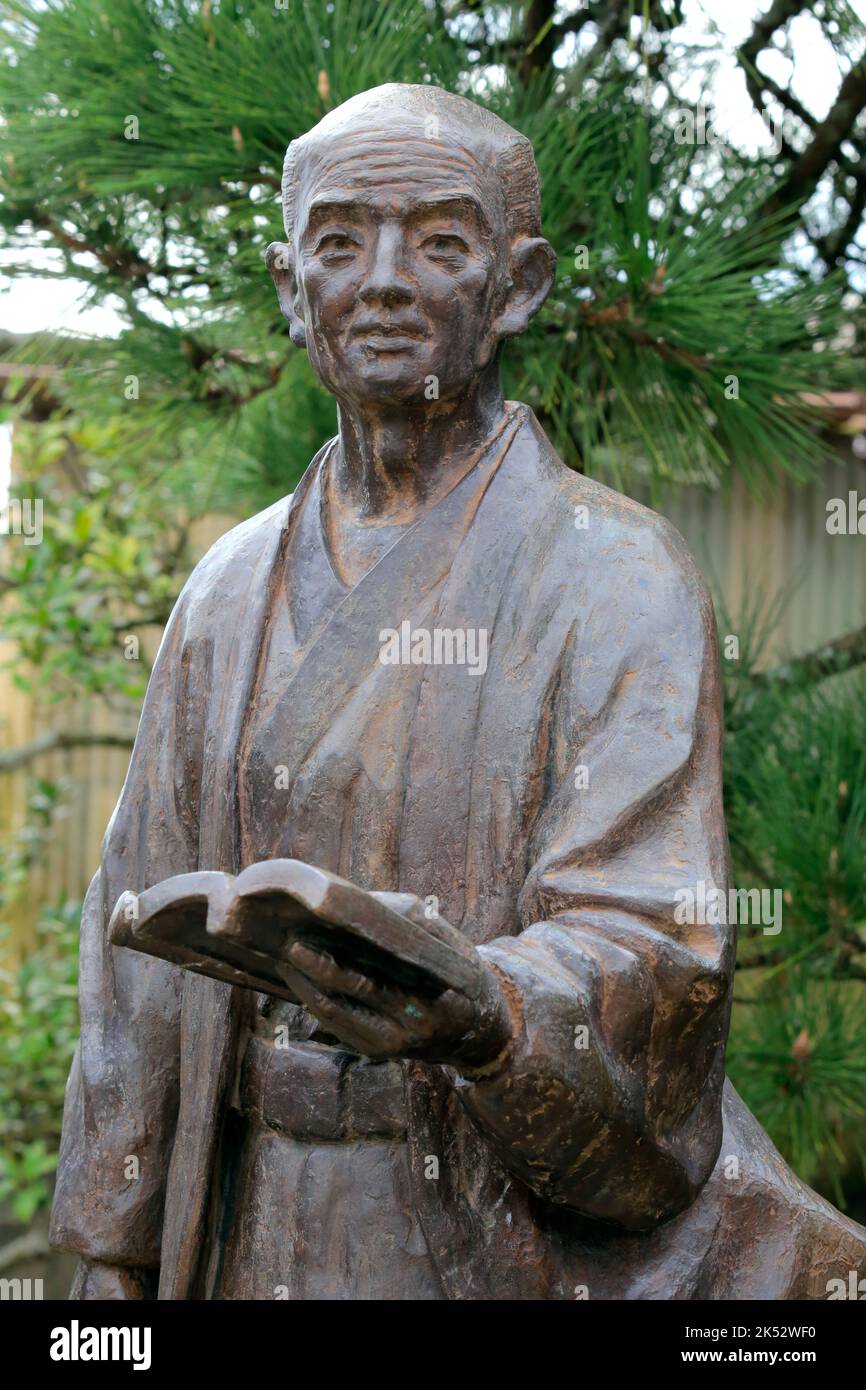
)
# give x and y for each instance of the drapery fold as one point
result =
(553, 806)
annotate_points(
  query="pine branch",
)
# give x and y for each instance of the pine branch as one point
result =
(778, 15)
(617, 21)
(621, 314)
(832, 248)
(158, 618)
(834, 658)
(117, 260)
(541, 39)
(828, 136)
(802, 179)
(57, 740)
(785, 98)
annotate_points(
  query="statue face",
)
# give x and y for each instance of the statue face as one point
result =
(401, 261)
(403, 277)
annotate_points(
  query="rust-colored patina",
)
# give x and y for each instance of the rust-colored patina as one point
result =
(456, 675)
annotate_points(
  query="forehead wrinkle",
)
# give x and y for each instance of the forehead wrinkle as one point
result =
(352, 172)
(375, 156)
(395, 143)
(349, 205)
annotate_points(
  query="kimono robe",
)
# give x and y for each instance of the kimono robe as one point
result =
(554, 804)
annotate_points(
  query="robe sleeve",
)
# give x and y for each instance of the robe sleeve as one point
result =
(122, 1093)
(608, 1100)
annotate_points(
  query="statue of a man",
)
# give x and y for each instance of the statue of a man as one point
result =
(463, 677)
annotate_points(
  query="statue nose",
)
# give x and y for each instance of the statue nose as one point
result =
(387, 281)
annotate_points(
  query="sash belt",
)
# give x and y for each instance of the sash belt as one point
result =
(314, 1092)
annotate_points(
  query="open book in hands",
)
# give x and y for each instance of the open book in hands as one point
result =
(240, 930)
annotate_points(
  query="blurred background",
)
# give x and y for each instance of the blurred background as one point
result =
(704, 184)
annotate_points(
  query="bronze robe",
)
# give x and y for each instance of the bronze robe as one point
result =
(597, 1159)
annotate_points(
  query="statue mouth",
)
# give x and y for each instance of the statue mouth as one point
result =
(388, 342)
(386, 336)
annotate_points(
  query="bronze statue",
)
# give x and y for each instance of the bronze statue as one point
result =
(472, 1052)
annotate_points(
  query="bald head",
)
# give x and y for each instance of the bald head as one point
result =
(390, 124)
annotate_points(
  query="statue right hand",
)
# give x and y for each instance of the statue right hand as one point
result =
(95, 1281)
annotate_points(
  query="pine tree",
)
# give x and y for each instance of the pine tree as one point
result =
(706, 300)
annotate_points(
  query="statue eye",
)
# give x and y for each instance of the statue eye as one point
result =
(445, 244)
(335, 241)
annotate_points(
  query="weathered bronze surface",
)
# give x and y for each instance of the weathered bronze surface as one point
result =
(484, 688)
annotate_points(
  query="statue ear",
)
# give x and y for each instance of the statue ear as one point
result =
(533, 266)
(281, 264)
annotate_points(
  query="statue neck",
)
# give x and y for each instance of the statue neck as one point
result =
(396, 461)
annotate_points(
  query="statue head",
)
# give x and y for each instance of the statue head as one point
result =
(413, 246)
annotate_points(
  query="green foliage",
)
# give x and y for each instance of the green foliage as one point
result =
(666, 356)
(38, 1018)
(21, 852)
(38, 1032)
(797, 792)
(798, 1056)
(796, 811)
(691, 279)
(113, 557)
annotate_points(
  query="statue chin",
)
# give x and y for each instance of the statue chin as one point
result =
(387, 377)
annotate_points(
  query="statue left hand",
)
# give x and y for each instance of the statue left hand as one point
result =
(381, 1021)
